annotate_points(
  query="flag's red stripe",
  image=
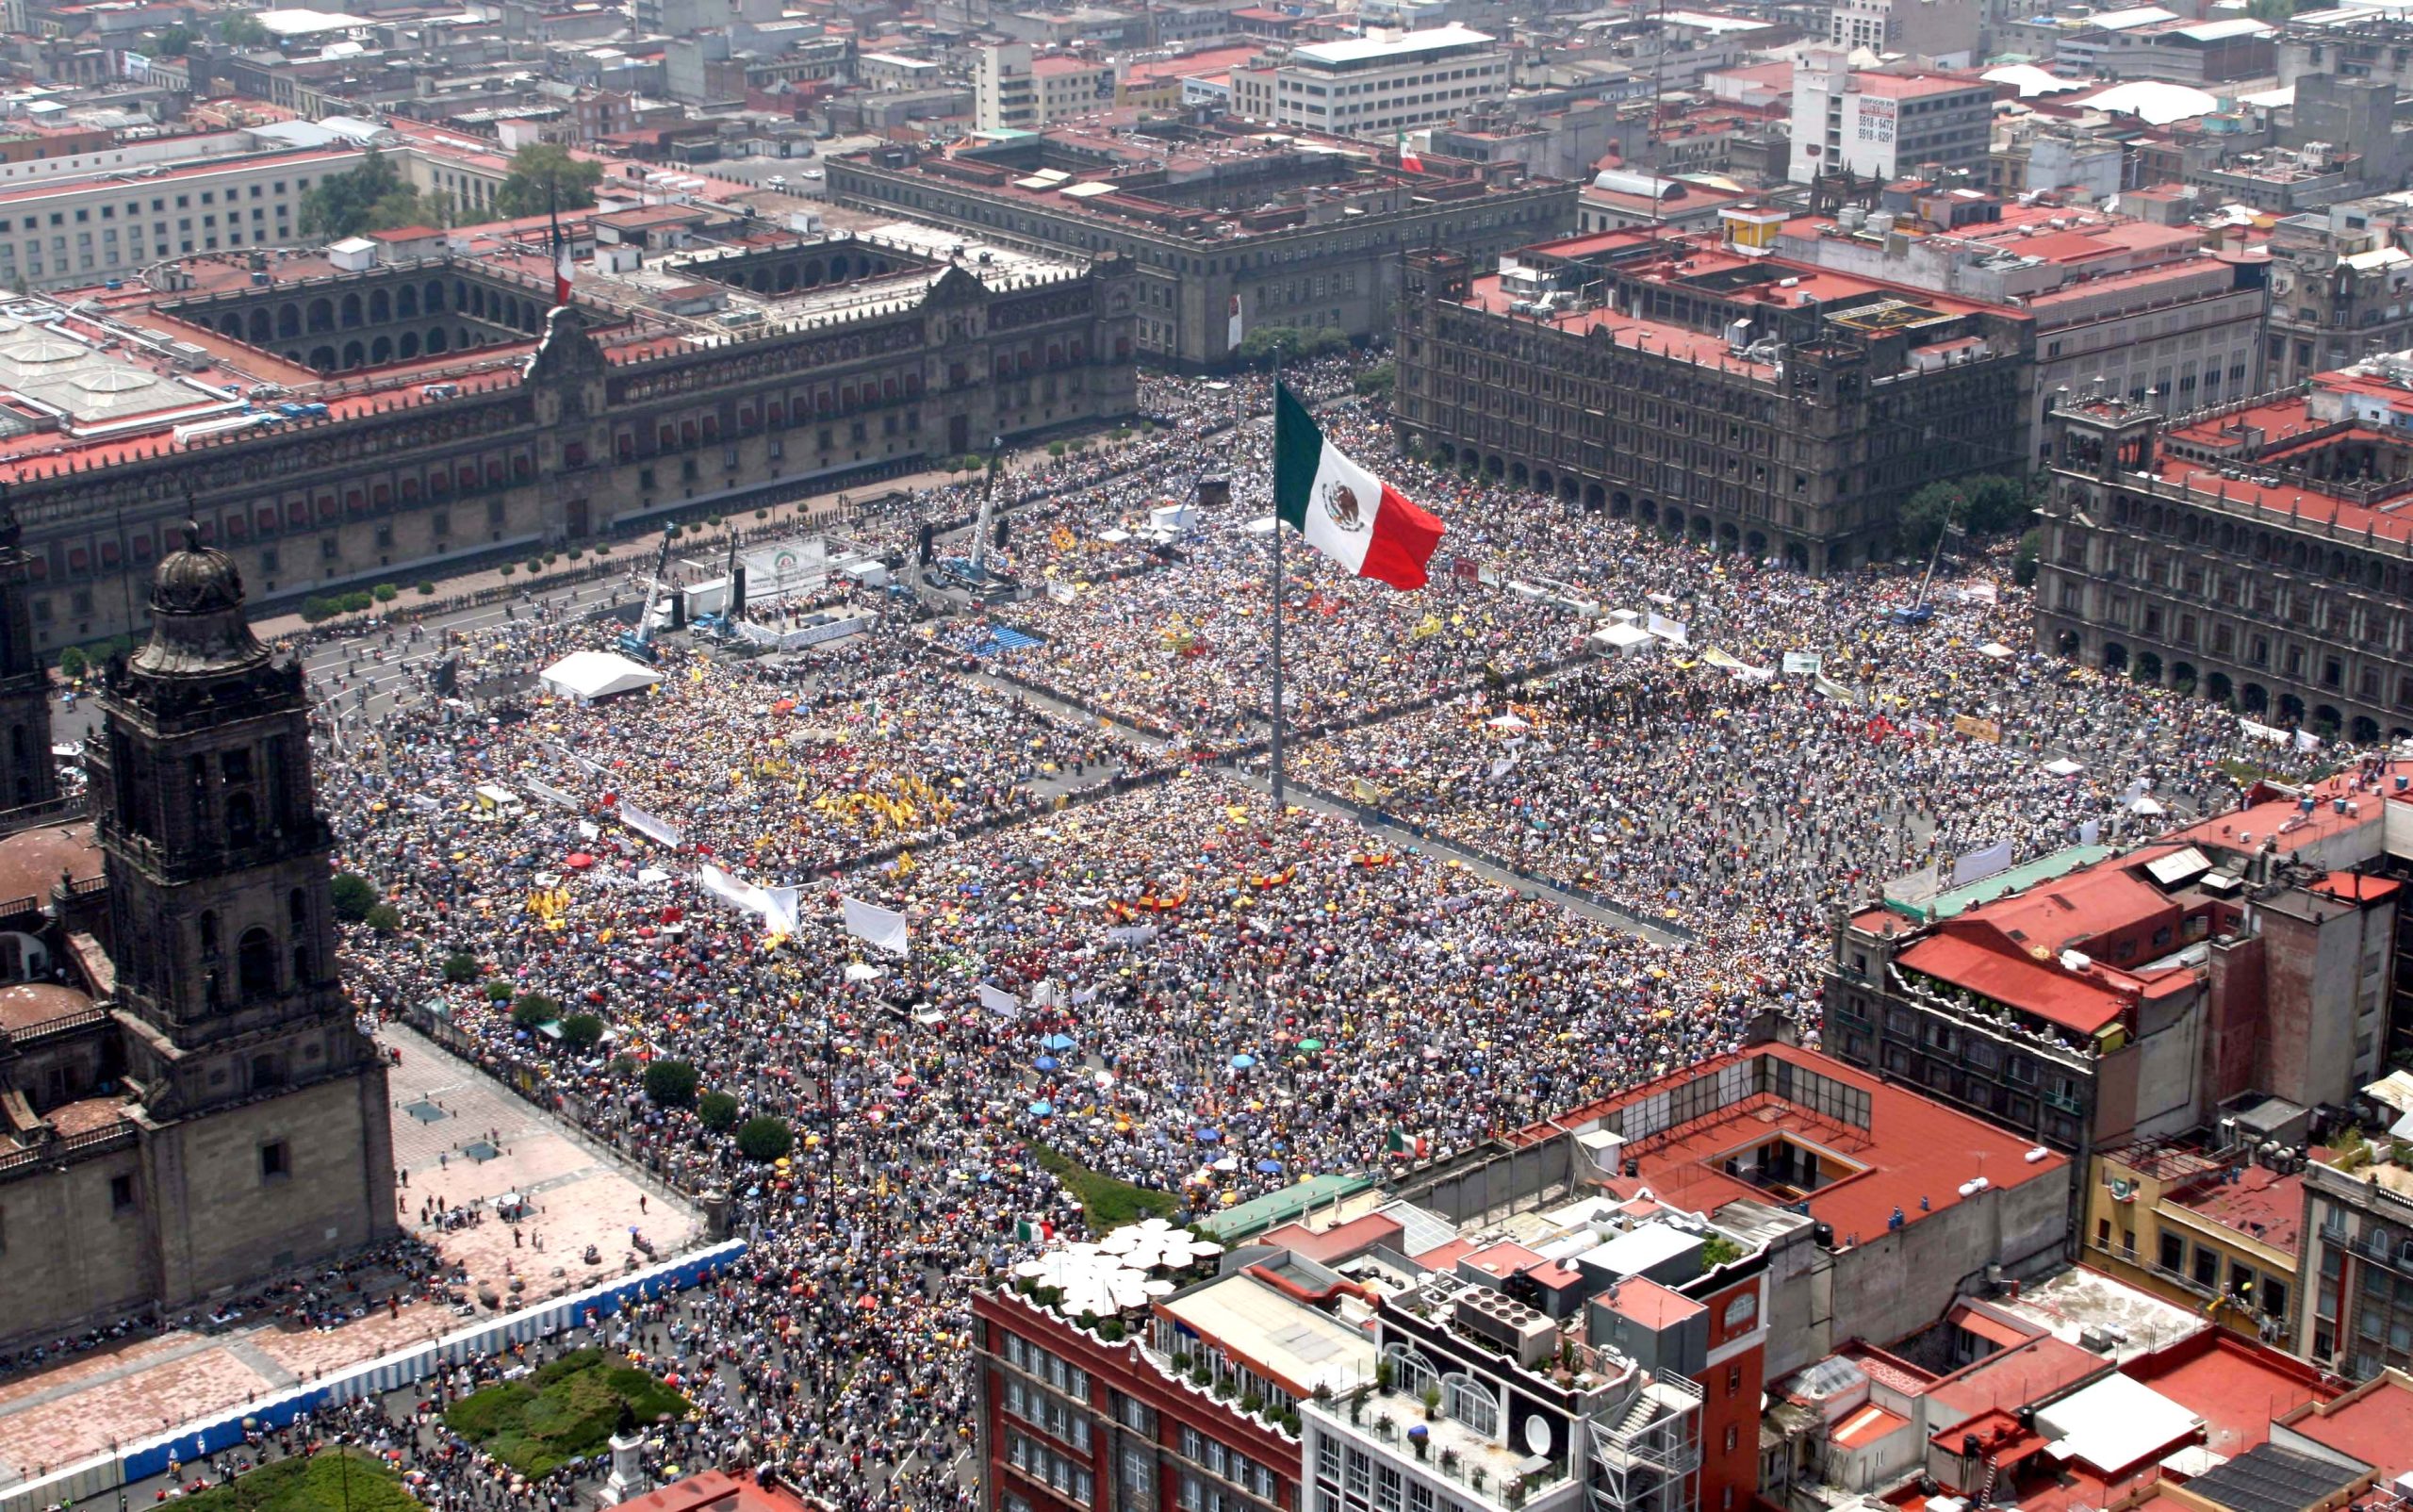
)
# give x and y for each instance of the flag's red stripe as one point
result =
(1405, 539)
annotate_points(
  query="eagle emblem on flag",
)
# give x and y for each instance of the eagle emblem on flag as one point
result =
(1340, 502)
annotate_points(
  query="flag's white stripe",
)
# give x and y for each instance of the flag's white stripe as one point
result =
(1323, 533)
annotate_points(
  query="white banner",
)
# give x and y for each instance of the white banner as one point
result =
(1232, 324)
(2090, 831)
(875, 925)
(2307, 741)
(1804, 664)
(777, 905)
(554, 795)
(1980, 864)
(1132, 933)
(998, 1000)
(650, 825)
(1668, 630)
(2267, 733)
(1833, 689)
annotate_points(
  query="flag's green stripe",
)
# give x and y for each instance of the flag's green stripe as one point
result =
(1298, 450)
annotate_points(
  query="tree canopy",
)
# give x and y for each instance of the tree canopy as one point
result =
(372, 197)
(544, 176)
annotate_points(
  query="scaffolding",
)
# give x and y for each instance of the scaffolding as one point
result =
(1646, 1448)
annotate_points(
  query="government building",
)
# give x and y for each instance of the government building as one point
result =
(188, 1104)
(1708, 388)
(386, 412)
(1283, 230)
(2253, 552)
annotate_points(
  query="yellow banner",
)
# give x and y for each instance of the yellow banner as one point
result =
(1976, 729)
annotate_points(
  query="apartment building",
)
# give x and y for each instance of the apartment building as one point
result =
(57, 235)
(1376, 85)
(2120, 303)
(1014, 91)
(2341, 288)
(1883, 125)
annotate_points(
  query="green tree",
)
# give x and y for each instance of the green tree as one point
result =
(1376, 381)
(581, 1031)
(1298, 343)
(460, 967)
(372, 197)
(533, 1009)
(719, 1111)
(353, 895)
(670, 1083)
(240, 28)
(544, 176)
(764, 1139)
(1923, 519)
(73, 662)
(385, 593)
(2024, 560)
(1997, 504)
(426, 590)
(384, 917)
(173, 43)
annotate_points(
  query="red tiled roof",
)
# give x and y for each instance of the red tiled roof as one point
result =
(1865, 1426)
(2373, 1423)
(1913, 1149)
(1650, 1304)
(1338, 1242)
(2032, 986)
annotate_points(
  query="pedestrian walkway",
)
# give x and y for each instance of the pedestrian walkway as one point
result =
(85, 1404)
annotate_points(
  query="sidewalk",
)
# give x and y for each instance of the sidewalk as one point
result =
(639, 551)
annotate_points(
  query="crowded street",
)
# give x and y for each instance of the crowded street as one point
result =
(1118, 951)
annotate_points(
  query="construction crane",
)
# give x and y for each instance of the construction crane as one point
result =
(639, 642)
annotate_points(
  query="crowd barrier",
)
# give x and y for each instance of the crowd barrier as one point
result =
(197, 1440)
(794, 640)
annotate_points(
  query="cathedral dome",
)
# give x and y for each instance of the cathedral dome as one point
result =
(196, 580)
(197, 623)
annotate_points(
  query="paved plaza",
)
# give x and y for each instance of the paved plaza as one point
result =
(459, 1136)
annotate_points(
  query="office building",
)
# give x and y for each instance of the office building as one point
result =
(1884, 126)
(472, 425)
(1702, 386)
(1301, 232)
(1378, 85)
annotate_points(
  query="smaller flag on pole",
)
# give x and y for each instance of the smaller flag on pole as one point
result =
(563, 266)
(1409, 158)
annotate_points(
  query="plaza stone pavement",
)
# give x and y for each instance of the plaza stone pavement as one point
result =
(446, 1115)
(82, 1405)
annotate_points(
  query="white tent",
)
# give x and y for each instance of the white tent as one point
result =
(589, 675)
(1995, 650)
(1626, 639)
(2063, 766)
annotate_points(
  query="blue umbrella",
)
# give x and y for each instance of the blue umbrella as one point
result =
(1045, 1062)
(1241, 1063)
(1058, 1042)
(1042, 1108)
(1271, 1168)
(1208, 1135)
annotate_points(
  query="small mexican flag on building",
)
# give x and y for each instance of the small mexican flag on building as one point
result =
(1403, 1142)
(1408, 156)
(1345, 512)
(1034, 1232)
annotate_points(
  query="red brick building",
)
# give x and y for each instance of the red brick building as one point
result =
(1071, 1420)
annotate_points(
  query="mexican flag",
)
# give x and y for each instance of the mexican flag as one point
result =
(1408, 156)
(1034, 1230)
(1345, 512)
(564, 269)
(1403, 1142)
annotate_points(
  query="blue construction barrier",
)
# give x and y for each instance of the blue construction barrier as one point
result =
(196, 1441)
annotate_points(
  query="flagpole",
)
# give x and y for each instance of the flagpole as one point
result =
(1277, 601)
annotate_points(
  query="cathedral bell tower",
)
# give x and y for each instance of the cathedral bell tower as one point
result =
(28, 777)
(222, 932)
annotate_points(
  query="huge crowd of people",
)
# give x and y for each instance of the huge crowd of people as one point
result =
(1118, 955)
